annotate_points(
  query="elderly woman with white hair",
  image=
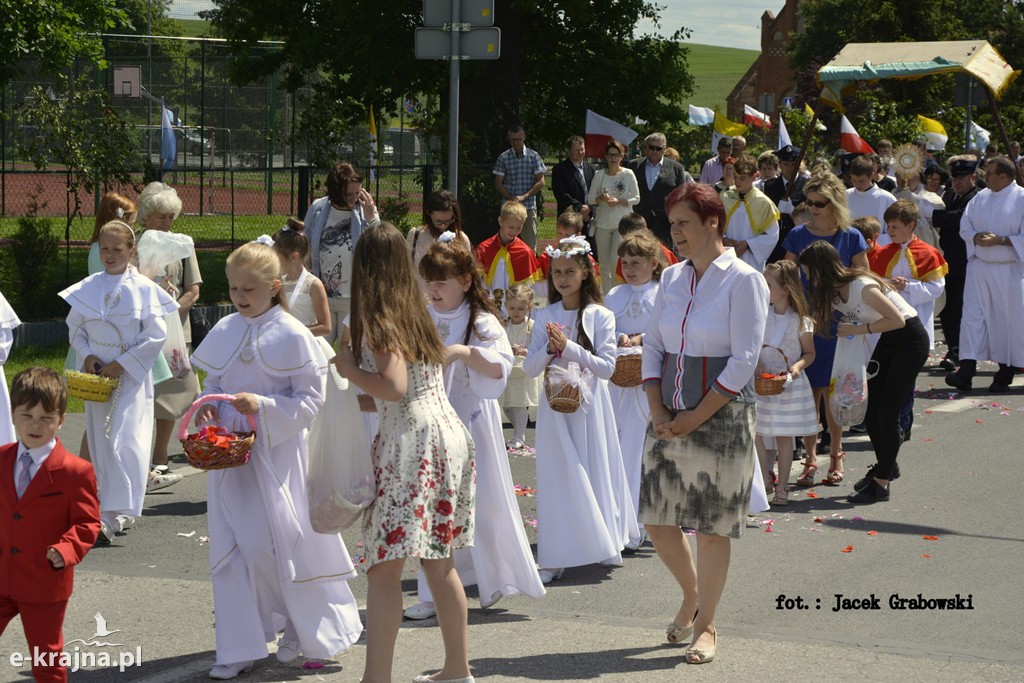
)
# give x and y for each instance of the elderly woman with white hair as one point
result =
(158, 206)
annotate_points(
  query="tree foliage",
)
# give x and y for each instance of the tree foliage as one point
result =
(889, 109)
(54, 33)
(558, 59)
(81, 132)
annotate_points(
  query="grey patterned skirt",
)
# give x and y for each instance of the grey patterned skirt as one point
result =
(702, 481)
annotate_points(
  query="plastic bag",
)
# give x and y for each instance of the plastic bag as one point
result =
(340, 483)
(175, 350)
(848, 388)
(157, 250)
(573, 375)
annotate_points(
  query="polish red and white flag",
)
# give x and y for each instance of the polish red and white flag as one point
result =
(753, 117)
(850, 140)
(600, 130)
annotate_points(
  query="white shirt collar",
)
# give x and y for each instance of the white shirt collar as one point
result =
(37, 454)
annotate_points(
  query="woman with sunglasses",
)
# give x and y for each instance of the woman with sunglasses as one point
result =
(441, 213)
(830, 221)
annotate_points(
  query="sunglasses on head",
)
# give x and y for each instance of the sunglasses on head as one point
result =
(654, 149)
(817, 205)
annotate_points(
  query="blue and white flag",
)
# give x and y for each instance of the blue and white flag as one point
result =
(168, 145)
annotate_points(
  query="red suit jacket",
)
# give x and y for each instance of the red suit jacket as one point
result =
(59, 509)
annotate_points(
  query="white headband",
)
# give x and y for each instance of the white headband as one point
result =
(265, 240)
(570, 246)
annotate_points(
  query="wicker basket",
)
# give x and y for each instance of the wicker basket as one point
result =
(774, 384)
(89, 387)
(204, 455)
(563, 399)
(627, 371)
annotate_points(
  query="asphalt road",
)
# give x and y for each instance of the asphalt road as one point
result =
(953, 527)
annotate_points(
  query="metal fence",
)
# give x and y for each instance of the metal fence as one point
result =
(221, 206)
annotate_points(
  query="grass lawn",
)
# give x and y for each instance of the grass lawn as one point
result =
(23, 357)
(716, 71)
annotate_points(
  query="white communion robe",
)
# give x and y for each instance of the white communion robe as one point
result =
(993, 320)
(871, 202)
(120, 317)
(8, 321)
(919, 294)
(740, 218)
(632, 306)
(585, 513)
(500, 560)
(268, 566)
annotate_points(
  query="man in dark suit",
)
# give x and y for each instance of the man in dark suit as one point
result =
(570, 181)
(776, 191)
(657, 177)
(962, 189)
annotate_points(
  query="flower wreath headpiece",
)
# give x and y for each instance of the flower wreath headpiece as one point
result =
(265, 240)
(570, 246)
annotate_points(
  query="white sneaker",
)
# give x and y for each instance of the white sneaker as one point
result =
(420, 611)
(487, 603)
(287, 650)
(161, 480)
(224, 672)
(549, 575)
(633, 546)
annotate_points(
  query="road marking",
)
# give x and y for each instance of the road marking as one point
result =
(957, 406)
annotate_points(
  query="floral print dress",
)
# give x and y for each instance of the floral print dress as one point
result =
(425, 467)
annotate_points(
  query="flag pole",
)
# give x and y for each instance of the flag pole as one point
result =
(1002, 134)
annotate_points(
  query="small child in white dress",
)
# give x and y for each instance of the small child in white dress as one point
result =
(790, 414)
(632, 304)
(8, 321)
(522, 392)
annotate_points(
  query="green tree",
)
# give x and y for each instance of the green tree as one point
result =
(557, 61)
(81, 132)
(54, 33)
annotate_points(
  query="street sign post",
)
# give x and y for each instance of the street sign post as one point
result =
(457, 30)
(476, 13)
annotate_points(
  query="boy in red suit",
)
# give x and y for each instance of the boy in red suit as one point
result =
(52, 518)
(506, 259)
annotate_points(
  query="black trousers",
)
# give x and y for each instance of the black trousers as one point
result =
(900, 355)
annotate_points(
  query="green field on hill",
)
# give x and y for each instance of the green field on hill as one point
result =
(716, 70)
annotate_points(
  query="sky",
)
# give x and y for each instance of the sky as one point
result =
(728, 23)
(732, 23)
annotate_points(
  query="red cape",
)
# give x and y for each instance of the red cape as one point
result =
(926, 263)
(520, 262)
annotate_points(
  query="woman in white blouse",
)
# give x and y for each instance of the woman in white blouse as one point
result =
(615, 192)
(699, 355)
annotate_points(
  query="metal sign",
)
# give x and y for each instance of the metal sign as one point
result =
(476, 13)
(479, 43)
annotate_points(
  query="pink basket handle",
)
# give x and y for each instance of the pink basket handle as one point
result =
(186, 419)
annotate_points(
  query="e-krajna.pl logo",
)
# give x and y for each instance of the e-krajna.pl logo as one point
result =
(77, 658)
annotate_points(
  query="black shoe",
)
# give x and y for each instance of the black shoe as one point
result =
(870, 476)
(859, 429)
(998, 388)
(872, 493)
(947, 364)
(958, 381)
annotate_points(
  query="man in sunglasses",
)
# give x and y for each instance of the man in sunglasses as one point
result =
(657, 176)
